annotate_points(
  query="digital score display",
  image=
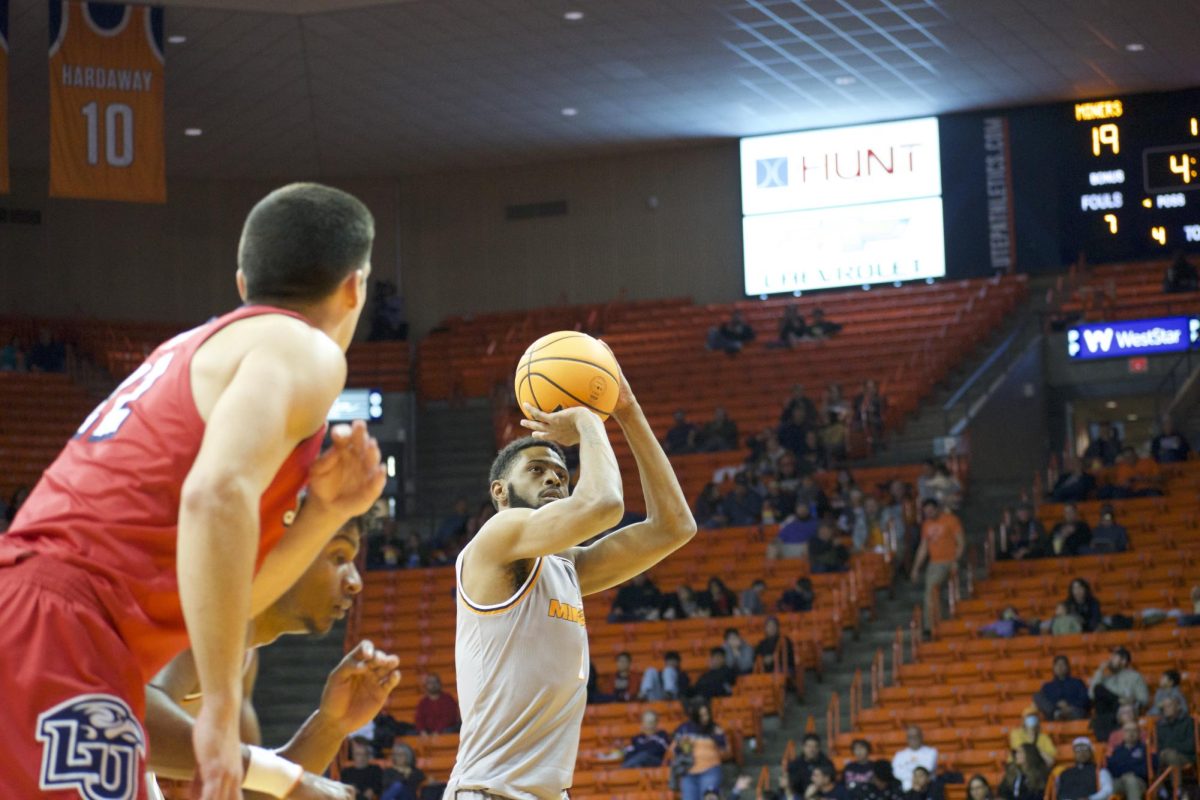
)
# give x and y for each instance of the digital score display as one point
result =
(1132, 165)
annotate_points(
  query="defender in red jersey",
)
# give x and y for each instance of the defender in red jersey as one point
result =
(163, 520)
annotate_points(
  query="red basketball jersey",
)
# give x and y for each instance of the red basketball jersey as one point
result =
(109, 504)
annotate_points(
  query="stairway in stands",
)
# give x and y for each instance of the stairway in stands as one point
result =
(455, 448)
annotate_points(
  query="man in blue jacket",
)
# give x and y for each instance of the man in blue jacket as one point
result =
(1065, 697)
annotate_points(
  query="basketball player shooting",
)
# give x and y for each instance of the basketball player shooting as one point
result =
(354, 692)
(521, 652)
(171, 517)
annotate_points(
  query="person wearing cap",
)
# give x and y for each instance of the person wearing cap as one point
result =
(1030, 732)
(1108, 536)
(1084, 780)
(1064, 697)
(1175, 733)
(942, 544)
(1116, 682)
(1128, 764)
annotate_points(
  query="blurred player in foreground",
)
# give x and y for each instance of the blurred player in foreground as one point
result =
(521, 653)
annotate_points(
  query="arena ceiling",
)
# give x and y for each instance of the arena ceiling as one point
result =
(371, 87)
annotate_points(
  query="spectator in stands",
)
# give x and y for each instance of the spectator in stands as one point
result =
(707, 511)
(1115, 682)
(720, 678)
(795, 534)
(738, 652)
(365, 777)
(810, 492)
(437, 711)
(1175, 734)
(402, 780)
(925, 485)
(834, 406)
(669, 683)
(1180, 275)
(1125, 714)
(794, 431)
(623, 684)
(48, 354)
(1063, 623)
(862, 522)
(771, 645)
(824, 785)
(751, 601)
(1105, 447)
(788, 477)
(792, 327)
(1030, 732)
(822, 328)
(637, 600)
(453, 524)
(717, 599)
(1025, 777)
(732, 335)
(798, 598)
(978, 788)
(1009, 625)
(800, 768)
(1063, 697)
(916, 754)
(766, 452)
(1127, 764)
(1074, 484)
(681, 438)
(12, 357)
(942, 544)
(778, 505)
(1023, 536)
(1081, 602)
(1070, 534)
(945, 487)
(883, 784)
(708, 746)
(485, 512)
(1083, 780)
(1168, 686)
(869, 408)
(682, 604)
(721, 433)
(1133, 477)
(899, 519)
(813, 456)
(859, 771)
(826, 555)
(1108, 536)
(799, 399)
(415, 554)
(923, 786)
(1170, 446)
(649, 746)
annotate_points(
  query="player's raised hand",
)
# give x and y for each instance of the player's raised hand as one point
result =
(558, 426)
(218, 756)
(359, 686)
(348, 477)
(625, 398)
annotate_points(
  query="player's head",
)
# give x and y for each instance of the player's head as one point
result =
(308, 247)
(326, 590)
(529, 473)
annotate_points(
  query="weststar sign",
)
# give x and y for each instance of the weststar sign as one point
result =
(1133, 337)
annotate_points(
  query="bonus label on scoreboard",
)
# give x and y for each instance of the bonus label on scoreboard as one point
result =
(1135, 168)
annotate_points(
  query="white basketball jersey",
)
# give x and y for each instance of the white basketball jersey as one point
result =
(522, 669)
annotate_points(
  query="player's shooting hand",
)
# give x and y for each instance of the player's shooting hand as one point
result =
(359, 686)
(558, 426)
(625, 398)
(218, 755)
(348, 477)
(314, 787)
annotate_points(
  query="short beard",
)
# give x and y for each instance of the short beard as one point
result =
(517, 501)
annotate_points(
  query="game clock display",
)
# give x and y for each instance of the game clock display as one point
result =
(1133, 168)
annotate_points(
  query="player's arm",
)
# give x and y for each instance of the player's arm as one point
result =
(669, 523)
(596, 505)
(277, 397)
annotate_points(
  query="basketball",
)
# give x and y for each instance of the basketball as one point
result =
(565, 369)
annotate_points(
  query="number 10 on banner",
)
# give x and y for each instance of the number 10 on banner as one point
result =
(118, 134)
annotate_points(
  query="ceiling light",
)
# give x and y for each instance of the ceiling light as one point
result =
(1111, 404)
(845, 80)
(192, 131)
(176, 39)
(570, 111)
(1132, 418)
(573, 16)
(1135, 47)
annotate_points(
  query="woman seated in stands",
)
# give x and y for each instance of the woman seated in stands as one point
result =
(1081, 602)
(698, 748)
(682, 604)
(771, 646)
(717, 600)
(978, 788)
(1025, 777)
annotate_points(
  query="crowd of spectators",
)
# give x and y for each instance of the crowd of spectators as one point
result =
(1110, 469)
(640, 600)
(732, 335)
(47, 354)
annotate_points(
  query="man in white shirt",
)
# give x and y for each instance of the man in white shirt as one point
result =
(917, 754)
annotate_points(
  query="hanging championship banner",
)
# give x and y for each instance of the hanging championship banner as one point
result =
(106, 102)
(3, 96)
